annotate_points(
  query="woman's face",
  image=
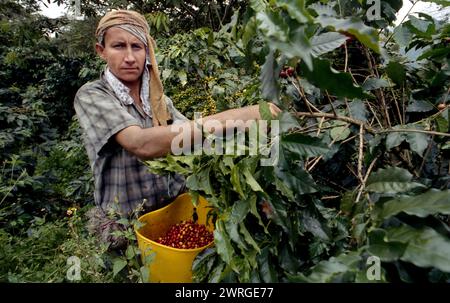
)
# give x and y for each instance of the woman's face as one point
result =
(125, 55)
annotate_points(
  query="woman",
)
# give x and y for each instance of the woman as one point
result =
(126, 118)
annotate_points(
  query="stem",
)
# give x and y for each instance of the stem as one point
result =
(346, 57)
(407, 14)
(361, 152)
(336, 117)
(302, 94)
(331, 102)
(374, 73)
(367, 127)
(363, 184)
(375, 115)
(397, 107)
(425, 156)
(405, 130)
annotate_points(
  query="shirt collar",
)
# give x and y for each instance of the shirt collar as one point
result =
(123, 92)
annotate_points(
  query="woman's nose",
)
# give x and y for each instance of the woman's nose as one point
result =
(129, 56)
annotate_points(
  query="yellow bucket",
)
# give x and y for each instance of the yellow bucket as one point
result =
(170, 265)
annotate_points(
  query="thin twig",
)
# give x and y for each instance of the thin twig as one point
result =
(406, 130)
(374, 72)
(375, 115)
(320, 125)
(361, 152)
(367, 127)
(364, 181)
(346, 57)
(407, 14)
(397, 107)
(302, 94)
(331, 102)
(430, 144)
(336, 117)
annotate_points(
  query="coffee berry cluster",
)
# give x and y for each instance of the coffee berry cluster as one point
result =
(287, 71)
(187, 235)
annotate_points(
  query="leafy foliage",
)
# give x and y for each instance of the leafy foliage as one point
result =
(342, 190)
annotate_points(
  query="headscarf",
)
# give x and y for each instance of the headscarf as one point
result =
(136, 24)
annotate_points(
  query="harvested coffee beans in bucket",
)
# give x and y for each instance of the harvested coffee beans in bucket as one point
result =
(187, 235)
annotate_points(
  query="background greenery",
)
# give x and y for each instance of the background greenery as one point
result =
(364, 163)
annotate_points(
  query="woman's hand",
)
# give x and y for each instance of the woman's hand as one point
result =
(274, 110)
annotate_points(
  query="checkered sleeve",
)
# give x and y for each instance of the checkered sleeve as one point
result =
(176, 115)
(101, 116)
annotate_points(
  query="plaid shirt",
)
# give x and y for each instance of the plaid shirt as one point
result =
(120, 176)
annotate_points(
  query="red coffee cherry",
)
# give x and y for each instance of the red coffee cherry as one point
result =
(283, 74)
(187, 235)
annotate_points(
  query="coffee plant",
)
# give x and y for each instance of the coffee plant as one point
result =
(363, 163)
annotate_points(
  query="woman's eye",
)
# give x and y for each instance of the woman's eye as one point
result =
(137, 46)
(118, 46)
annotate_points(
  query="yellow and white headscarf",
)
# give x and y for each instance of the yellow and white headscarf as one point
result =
(136, 24)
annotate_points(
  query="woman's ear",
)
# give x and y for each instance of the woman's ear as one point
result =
(100, 49)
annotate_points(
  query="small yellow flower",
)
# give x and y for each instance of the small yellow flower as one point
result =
(71, 211)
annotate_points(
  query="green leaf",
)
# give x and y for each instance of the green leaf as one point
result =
(375, 83)
(380, 247)
(425, 247)
(418, 142)
(435, 53)
(358, 110)
(327, 78)
(297, 46)
(354, 26)
(269, 83)
(299, 183)
(200, 181)
(326, 42)
(272, 25)
(323, 9)
(130, 253)
(429, 203)
(396, 72)
(391, 180)
(264, 111)
(183, 77)
(266, 268)
(444, 3)
(248, 237)
(340, 133)
(304, 146)
(236, 180)
(296, 9)
(239, 211)
(118, 265)
(203, 264)
(312, 224)
(251, 181)
(287, 122)
(232, 230)
(331, 270)
(419, 24)
(441, 124)
(402, 35)
(419, 106)
(222, 242)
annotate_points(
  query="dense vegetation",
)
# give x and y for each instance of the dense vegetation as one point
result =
(363, 167)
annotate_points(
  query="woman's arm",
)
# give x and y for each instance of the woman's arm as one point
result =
(154, 142)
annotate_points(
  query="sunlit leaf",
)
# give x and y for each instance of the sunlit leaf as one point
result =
(429, 203)
(391, 180)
